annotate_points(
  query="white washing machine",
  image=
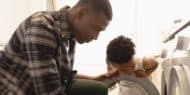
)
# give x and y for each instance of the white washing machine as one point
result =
(176, 76)
(179, 80)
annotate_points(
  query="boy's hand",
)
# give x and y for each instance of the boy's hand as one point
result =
(150, 63)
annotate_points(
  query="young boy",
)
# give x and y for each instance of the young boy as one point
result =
(121, 57)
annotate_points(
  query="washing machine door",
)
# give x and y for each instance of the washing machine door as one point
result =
(163, 84)
(145, 83)
(179, 83)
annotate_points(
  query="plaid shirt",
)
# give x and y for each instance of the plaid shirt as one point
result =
(39, 56)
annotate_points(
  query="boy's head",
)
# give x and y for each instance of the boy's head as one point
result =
(120, 52)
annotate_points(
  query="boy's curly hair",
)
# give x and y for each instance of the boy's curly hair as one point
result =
(120, 50)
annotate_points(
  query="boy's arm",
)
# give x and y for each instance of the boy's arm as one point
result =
(149, 64)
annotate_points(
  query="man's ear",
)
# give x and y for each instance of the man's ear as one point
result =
(82, 12)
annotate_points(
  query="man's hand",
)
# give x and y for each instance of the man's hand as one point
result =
(109, 75)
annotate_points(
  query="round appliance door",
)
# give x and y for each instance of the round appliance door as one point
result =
(144, 83)
(179, 80)
(163, 84)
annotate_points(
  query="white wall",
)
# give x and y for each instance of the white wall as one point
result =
(156, 18)
(13, 12)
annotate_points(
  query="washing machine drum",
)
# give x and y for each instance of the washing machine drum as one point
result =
(132, 85)
(179, 83)
(126, 87)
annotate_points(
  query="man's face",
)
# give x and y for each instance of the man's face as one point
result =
(88, 26)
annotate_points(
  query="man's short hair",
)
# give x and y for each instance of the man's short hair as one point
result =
(120, 50)
(98, 6)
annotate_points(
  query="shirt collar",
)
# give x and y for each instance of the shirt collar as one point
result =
(62, 23)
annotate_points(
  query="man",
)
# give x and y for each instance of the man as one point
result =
(38, 59)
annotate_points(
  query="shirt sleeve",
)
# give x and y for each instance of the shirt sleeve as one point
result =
(39, 48)
(139, 63)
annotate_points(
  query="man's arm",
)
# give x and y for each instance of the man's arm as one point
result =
(98, 77)
(81, 76)
(108, 75)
